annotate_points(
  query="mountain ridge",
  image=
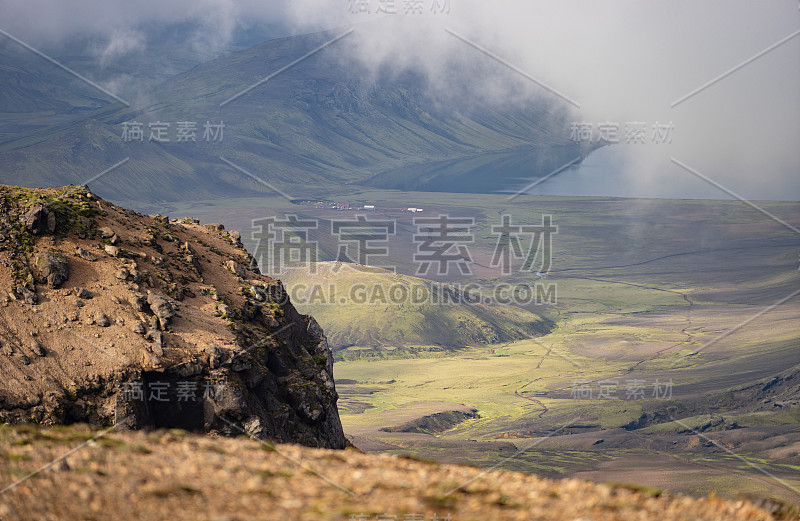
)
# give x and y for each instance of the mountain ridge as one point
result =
(323, 121)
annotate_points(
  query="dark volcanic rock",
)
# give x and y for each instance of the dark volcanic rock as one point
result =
(37, 220)
(272, 395)
(52, 268)
(85, 254)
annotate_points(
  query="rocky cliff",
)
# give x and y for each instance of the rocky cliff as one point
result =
(111, 317)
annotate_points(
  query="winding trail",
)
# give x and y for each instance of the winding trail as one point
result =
(657, 354)
(671, 255)
(684, 331)
(635, 366)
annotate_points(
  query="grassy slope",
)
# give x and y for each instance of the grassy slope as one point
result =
(383, 323)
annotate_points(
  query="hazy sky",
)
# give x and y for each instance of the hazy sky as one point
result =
(622, 61)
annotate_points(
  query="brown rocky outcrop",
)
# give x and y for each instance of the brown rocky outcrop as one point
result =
(154, 330)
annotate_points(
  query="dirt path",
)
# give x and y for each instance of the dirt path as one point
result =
(636, 365)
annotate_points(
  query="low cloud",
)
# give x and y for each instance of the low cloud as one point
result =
(622, 61)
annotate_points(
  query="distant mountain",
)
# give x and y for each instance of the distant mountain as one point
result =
(36, 95)
(324, 121)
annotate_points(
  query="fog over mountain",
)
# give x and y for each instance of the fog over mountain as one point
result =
(621, 62)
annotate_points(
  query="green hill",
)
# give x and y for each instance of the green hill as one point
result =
(369, 310)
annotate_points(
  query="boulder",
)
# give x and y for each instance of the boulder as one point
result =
(52, 268)
(157, 337)
(235, 268)
(38, 219)
(161, 308)
(37, 349)
(85, 254)
(26, 294)
(84, 293)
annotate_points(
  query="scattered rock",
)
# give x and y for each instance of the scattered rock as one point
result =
(37, 220)
(161, 308)
(52, 268)
(51, 222)
(85, 254)
(235, 268)
(102, 320)
(37, 349)
(122, 274)
(25, 360)
(84, 293)
(214, 355)
(155, 324)
(106, 232)
(112, 250)
(258, 293)
(27, 295)
(253, 427)
(7, 349)
(236, 238)
(139, 329)
(157, 337)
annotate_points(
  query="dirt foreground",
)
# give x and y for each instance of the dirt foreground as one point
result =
(166, 475)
